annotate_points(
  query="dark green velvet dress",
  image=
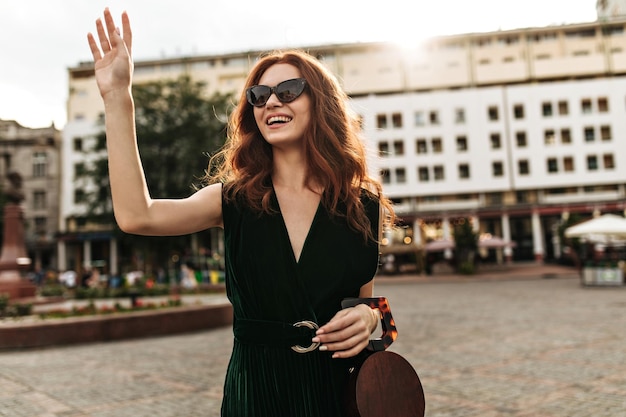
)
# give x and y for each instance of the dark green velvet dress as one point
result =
(265, 284)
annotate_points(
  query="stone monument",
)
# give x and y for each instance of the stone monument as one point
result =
(14, 258)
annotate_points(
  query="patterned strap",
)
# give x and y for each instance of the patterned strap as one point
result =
(386, 319)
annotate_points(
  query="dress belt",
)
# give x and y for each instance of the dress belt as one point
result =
(297, 336)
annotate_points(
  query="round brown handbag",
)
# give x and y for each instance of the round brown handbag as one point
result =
(382, 383)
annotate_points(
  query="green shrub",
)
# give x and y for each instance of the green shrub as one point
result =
(54, 290)
(467, 268)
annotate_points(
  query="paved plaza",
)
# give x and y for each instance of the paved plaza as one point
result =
(537, 345)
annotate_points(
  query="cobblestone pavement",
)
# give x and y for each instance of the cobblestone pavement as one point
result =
(520, 346)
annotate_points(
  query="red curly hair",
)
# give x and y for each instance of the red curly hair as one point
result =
(334, 151)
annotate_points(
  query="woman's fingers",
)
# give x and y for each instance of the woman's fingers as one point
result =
(346, 334)
(105, 45)
(127, 33)
(95, 50)
(347, 348)
(110, 24)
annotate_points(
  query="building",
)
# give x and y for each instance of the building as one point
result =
(35, 155)
(513, 129)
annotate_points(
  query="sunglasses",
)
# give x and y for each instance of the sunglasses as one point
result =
(286, 92)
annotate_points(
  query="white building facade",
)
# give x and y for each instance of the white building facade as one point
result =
(512, 129)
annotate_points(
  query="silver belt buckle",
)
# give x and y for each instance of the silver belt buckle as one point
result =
(313, 345)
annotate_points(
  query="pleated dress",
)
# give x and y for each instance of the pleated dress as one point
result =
(270, 291)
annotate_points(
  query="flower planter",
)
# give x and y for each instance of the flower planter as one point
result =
(116, 326)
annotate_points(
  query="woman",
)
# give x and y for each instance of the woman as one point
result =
(300, 217)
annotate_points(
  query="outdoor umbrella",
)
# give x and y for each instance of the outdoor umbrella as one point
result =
(439, 245)
(494, 242)
(605, 228)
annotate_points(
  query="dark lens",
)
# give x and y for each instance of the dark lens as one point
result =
(258, 95)
(289, 90)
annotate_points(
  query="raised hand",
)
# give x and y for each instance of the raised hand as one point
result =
(112, 58)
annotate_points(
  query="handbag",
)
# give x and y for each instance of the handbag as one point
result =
(382, 383)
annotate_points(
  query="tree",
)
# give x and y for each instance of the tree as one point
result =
(466, 244)
(573, 249)
(178, 128)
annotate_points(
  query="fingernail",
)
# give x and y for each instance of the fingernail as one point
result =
(323, 348)
(315, 340)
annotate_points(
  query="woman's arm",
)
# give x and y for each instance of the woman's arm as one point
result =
(135, 211)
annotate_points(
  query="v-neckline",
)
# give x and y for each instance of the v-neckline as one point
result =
(305, 243)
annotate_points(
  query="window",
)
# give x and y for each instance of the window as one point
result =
(568, 164)
(518, 111)
(521, 196)
(396, 120)
(566, 136)
(39, 200)
(438, 173)
(433, 117)
(419, 118)
(40, 164)
(461, 144)
(422, 174)
(585, 106)
(546, 109)
(553, 165)
(78, 144)
(563, 108)
(497, 168)
(383, 149)
(482, 42)
(459, 116)
(398, 148)
(495, 141)
(592, 162)
(400, 175)
(609, 163)
(548, 137)
(603, 105)
(542, 37)
(464, 171)
(522, 167)
(421, 146)
(520, 138)
(605, 133)
(590, 134)
(494, 198)
(492, 112)
(508, 40)
(437, 145)
(381, 121)
(385, 176)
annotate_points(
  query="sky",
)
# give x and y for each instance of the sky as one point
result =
(41, 39)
